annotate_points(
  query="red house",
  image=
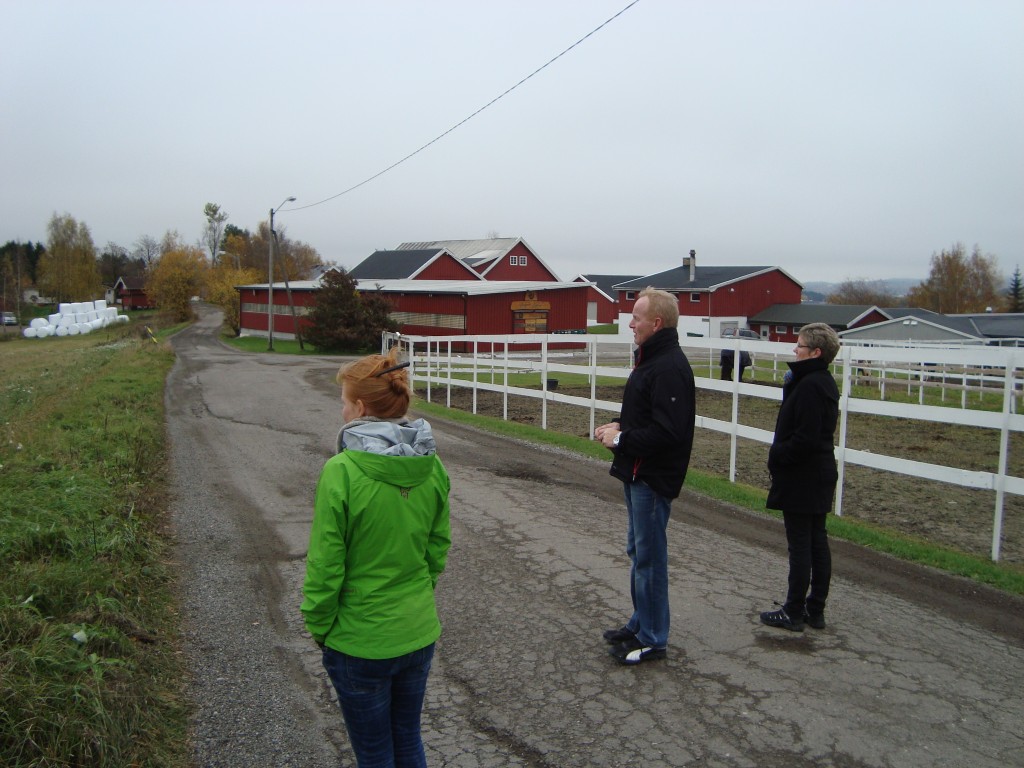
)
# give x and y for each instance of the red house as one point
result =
(130, 293)
(712, 298)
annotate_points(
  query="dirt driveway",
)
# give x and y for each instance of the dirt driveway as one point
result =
(915, 669)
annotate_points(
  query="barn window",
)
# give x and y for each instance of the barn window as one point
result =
(522, 261)
(630, 295)
(513, 260)
(780, 329)
(694, 298)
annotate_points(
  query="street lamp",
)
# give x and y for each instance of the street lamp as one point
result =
(270, 273)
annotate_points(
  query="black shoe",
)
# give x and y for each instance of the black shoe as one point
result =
(815, 620)
(620, 635)
(632, 651)
(782, 620)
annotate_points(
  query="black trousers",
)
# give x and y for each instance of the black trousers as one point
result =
(810, 563)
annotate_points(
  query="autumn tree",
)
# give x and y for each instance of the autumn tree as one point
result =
(220, 289)
(345, 320)
(862, 291)
(237, 246)
(67, 271)
(958, 283)
(177, 277)
(213, 232)
(1015, 294)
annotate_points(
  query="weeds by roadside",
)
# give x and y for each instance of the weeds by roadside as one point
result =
(89, 674)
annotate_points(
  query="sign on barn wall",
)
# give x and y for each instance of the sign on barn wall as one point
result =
(530, 315)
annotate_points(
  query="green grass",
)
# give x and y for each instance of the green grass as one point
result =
(89, 669)
(282, 346)
(1008, 578)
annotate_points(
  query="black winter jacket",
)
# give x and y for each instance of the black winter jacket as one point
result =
(801, 461)
(659, 405)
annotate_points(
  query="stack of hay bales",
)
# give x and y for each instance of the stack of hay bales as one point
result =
(73, 319)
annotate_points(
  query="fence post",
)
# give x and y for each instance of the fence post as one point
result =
(736, 369)
(427, 361)
(544, 383)
(1004, 446)
(476, 350)
(844, 410)
(504, 402)
(593, 386)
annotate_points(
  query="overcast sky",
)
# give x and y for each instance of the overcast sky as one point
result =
(832, 139)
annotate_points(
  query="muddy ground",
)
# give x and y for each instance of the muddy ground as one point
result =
(942, 513)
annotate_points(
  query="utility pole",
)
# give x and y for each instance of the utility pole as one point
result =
(270, 274)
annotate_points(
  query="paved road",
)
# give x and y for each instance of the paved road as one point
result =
(914, 669)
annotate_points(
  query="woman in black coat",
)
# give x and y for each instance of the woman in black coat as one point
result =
(802, 466)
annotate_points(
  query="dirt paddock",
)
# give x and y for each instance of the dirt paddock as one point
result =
(946, 514)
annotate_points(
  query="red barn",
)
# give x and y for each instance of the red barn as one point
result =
(130, 293)
(499, 258)
(712, 298)
(602, 298)
(437, 292)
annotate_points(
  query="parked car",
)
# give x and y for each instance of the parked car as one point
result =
(743, 333)
(10, 318)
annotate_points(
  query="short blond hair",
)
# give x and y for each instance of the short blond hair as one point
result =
(821, 336)
(661, 304)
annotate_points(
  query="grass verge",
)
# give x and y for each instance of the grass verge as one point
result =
(89, 669)
(1007, 578)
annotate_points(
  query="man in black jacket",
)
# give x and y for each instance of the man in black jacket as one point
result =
(651, 442)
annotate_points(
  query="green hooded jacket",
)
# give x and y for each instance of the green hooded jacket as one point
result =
(379, 541)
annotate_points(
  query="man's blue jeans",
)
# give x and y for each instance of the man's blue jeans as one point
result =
(382, 700)
(647, 547)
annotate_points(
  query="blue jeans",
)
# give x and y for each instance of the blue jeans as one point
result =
(647, 547)
(381, 701)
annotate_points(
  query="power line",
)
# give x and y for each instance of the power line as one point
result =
(470, 117)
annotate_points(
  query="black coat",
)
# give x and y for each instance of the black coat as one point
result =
(659, 405)
(801, 461)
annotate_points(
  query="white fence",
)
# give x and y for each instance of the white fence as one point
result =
(445, 362)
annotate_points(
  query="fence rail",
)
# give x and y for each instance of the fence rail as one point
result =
(446, 362)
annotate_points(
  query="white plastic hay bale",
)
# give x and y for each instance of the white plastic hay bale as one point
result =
(37, 322)
(61, 330)
(63, 308)
(74, 330)
(84, 328)
(42, 333)
(67, 320)
(99, 304)
(122, 318)
(29, 333)
(95, 324)
(53, 319)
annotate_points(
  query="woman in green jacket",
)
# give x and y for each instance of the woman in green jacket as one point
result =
(379, 541)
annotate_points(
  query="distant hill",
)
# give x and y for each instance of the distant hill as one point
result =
(898, 286)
